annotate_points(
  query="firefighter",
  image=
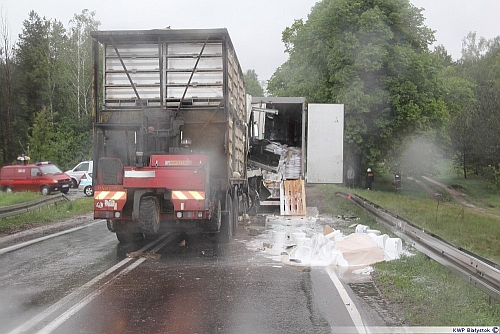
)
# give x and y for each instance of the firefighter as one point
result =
(369, 179)
(397, 180)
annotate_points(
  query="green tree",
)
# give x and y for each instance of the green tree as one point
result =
(372, 56)
(33, 58)
(55, 75)
(252, 83)
(43, 134)
(80, 58)
(476, 141)
(7, 98)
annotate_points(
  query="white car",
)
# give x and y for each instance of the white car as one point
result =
(85, 185)
(79, 170)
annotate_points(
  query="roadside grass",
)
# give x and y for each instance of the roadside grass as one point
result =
(425, 293)
(475, 189)
(18, 197)
(46, 215)
(463, 226)
(420, 290)
(335, 205)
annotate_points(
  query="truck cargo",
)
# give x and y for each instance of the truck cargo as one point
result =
(292, 140)
(170, 132)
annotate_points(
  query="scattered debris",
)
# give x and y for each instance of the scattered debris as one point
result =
(306, 241)
(147, 255)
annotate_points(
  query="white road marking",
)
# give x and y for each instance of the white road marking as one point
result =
(87, 299)
(83, 289)
(34, 241)
(350, 306)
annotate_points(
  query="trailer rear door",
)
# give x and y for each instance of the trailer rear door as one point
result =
(325, 133)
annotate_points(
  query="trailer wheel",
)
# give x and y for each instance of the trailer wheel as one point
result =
(226, 229)
(216, 219)
(127, 237)
(253, 202)
(149, 215)
(244, 206)
(235, 212)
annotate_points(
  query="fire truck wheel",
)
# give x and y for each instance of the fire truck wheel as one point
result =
(127, 237)
(149, 215)
(45, 190)
(8, 190)
(226, 229)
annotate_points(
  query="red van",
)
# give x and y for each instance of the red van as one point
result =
(41, 176)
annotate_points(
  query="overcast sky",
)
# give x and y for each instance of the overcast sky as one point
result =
(255, 26)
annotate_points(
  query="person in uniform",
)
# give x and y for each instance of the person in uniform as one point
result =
(369, 179)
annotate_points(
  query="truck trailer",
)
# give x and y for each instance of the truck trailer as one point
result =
(292, 140)
(170, 133)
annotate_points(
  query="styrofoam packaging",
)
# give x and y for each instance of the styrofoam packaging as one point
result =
(279, 237)
(300, 241)
(393, 248)
(380, 239)
(361, 228)
(297, 234)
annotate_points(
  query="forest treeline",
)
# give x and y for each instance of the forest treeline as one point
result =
(45, 86)
(405, 104)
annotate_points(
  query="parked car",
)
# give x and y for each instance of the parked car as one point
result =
(85, 185)
(44, 177)
(77, 172)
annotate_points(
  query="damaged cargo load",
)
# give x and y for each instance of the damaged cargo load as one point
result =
(276, 143)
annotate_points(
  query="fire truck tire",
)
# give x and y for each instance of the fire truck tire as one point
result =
(149, 215)
(127, 237)
(8, 190)
(45, 190)
(253, 202)
(226, 229)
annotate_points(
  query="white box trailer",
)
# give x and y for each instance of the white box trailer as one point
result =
(309, 137)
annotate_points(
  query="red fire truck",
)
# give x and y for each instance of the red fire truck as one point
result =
(170, 132)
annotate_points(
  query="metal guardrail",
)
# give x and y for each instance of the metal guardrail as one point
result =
(478, 271)
(16, 209)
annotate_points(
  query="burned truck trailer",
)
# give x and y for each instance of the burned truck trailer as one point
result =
(169, 132)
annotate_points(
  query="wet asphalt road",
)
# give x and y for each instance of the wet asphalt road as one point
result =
(83, 282)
